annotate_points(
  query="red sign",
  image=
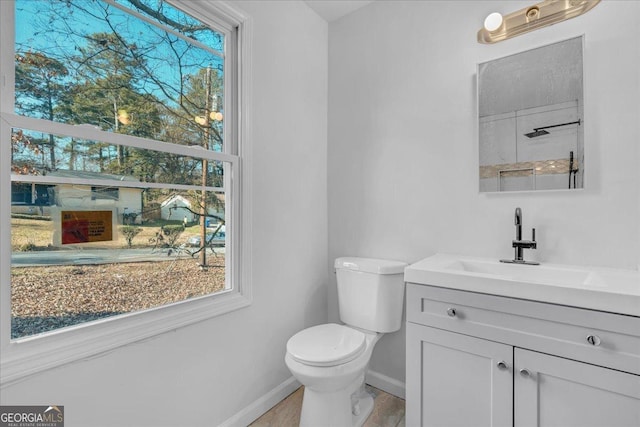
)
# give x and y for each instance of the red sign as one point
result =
(86, 226)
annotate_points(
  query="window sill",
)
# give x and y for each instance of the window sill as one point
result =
(30, 355)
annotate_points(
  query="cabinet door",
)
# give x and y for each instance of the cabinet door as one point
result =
(560, 392)
(457, 380)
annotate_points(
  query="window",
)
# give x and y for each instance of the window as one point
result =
(21, 194)
(107, 193)
(123, 118)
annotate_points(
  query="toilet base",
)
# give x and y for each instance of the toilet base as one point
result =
(344, 408)
(366, 408)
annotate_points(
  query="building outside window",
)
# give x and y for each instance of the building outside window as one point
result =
(119, 110)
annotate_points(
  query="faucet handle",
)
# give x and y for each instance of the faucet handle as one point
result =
(534, 244)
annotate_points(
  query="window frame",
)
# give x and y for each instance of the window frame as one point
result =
(26, 356)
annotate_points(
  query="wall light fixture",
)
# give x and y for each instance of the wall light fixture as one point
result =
(497, 27)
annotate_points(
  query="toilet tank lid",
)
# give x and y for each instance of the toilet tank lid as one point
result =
(370, 265)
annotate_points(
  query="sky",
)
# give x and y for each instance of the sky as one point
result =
(62, 33)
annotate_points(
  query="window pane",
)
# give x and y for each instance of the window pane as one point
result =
(97, 64)
(88, 243)
(107, 193)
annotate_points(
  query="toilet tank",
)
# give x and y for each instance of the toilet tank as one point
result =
(370, 293)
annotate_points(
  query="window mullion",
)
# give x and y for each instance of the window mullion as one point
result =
(89, 132)
(48, 179)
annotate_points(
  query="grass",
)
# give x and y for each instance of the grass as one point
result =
(30, 232)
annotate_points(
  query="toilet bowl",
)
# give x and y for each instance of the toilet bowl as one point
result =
(331, 360)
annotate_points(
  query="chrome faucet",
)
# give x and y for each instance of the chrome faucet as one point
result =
(520, 244)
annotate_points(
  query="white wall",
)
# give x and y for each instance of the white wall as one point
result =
(203, 374)
(402, 162)
(401, 174)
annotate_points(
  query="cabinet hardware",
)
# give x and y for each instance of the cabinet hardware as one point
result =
(593, 340)
(451, 312)
(502, 365)
(525, 373)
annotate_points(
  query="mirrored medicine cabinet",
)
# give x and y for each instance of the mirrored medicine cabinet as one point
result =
(531, 126)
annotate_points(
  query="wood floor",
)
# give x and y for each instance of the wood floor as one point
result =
(388, 411)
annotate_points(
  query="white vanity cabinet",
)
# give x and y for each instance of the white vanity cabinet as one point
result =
(563, 392)
(482, 360)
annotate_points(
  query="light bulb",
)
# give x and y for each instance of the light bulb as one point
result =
(493, 21)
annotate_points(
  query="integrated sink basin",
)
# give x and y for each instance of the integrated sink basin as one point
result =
(523, 272)
(612, 290)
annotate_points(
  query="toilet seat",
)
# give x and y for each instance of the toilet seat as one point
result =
(326, 345)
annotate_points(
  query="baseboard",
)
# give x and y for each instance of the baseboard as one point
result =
(386, 384)
(254, 410)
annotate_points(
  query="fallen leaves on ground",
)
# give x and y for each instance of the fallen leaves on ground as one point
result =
(51, 297)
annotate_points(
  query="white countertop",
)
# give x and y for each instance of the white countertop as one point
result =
(610, 290)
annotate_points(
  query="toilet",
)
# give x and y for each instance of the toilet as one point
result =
(331, 360)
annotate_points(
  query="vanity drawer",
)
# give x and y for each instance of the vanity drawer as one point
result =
(604, 339)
